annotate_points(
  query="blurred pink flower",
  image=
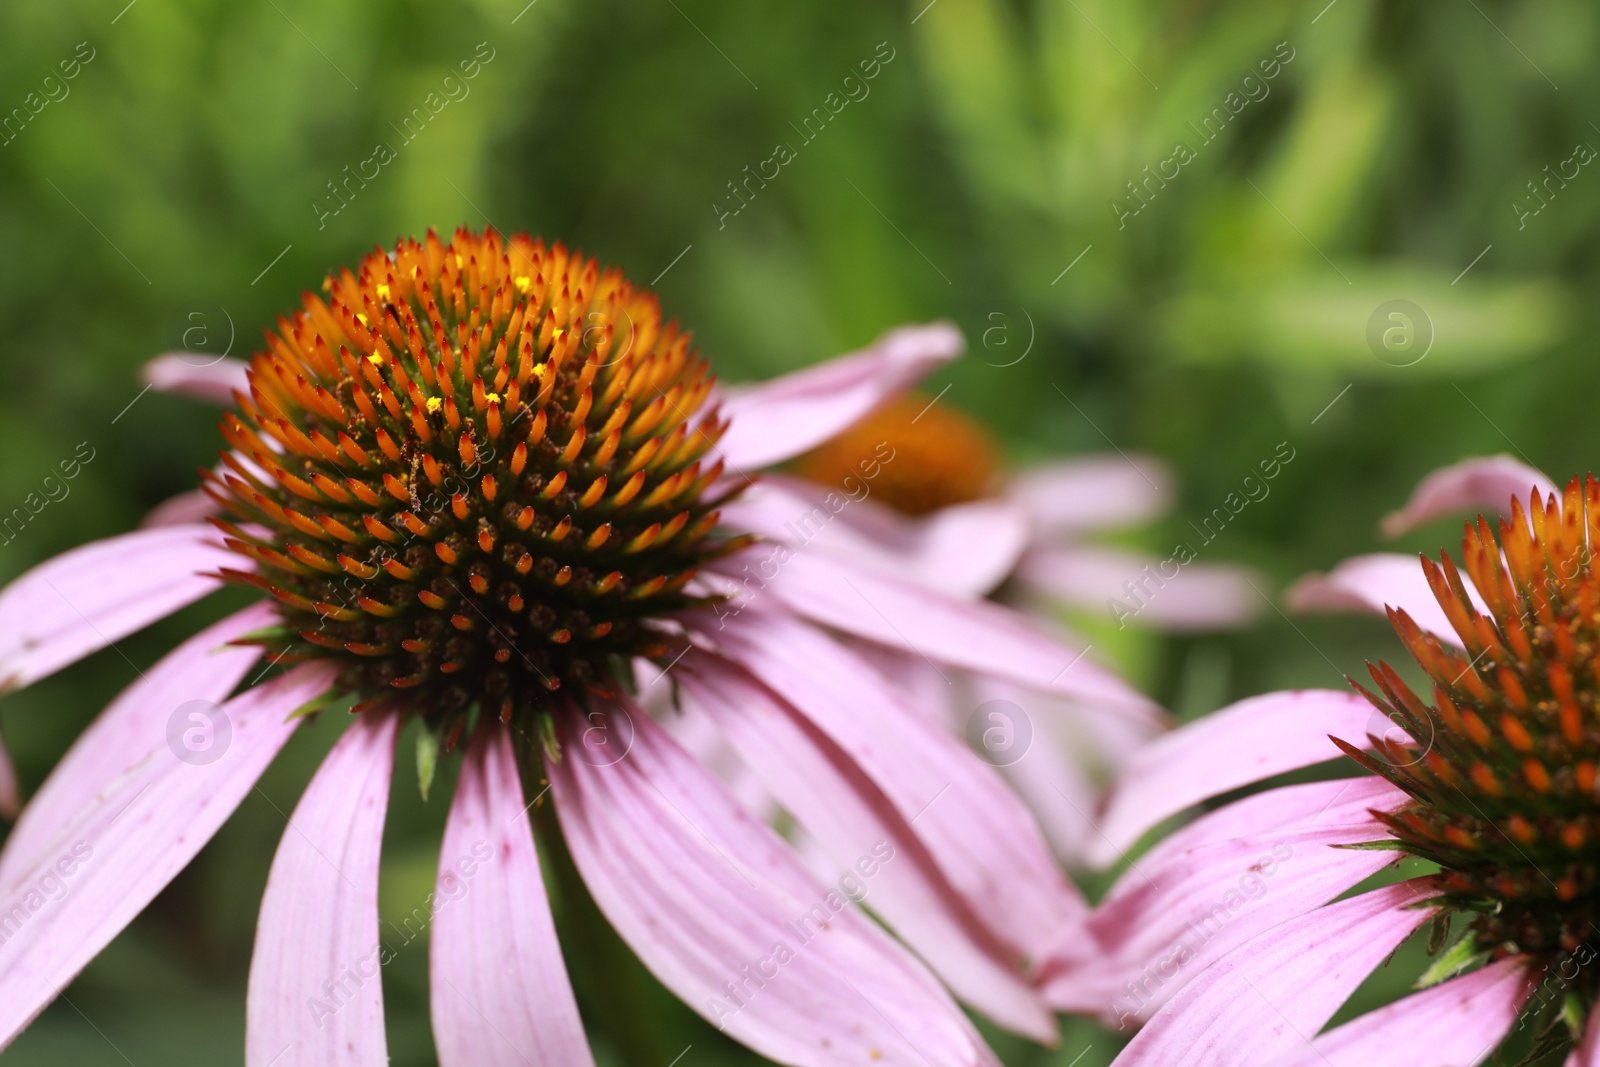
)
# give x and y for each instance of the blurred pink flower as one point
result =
(714, 903)
(954, 522)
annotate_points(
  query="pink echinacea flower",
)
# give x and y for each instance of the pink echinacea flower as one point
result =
(1243, 933)
(479, 482)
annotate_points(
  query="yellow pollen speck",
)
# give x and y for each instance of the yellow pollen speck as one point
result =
(492, 397)
(559, 331)
(524, 283)
(383, 291)
(459, 261)
(376, 360)
(538, 372)
(434, 403)
(361, 317)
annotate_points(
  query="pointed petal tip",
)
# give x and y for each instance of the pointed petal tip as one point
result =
(1480, 482)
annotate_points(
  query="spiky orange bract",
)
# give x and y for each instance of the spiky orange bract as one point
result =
(939, 456)
(1504, 798)
(473, 472)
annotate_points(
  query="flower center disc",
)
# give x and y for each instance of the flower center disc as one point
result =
(941, 457)
(474, 473)
(1502, 773)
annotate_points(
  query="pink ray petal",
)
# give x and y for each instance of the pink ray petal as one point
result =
(835, 798)
(316, 988)
(986, 841)
(158, 709)
(1212, 886)
(198, 376)
(498, 984)
(975, 635)
(1587, 1054)
(721, 910)
(181, 510)
(1454, 1024)
(1269, 995)
(1368, 583)
(1243, 743)
(126, 843)
(1170, 594)
(781, 418)
(1339, 801)
(1487, 482)
(1094, 492)
(1052, 751)
(965, 550)
(91, 596)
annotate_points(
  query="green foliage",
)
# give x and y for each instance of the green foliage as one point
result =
(1205, 317)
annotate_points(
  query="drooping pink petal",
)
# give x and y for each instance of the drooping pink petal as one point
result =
(1094, 492)
(781, 418)
(1047, 749)
(1454, 1024)
(1243, 743)
(986, 841)
(1487, 482)
(975, 635)
(181, 510)
(198, 376)
(835, 798)
(1367, 583)
(1165, 592)
(316, 988)
(727, 917)
(498, 985)
(697, 733)
(1270, 994)
(965, 550)
(91, 596)
(1212, 886)
(170, 704)
(100, 868)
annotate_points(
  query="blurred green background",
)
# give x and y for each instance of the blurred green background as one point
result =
(1216, 304)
